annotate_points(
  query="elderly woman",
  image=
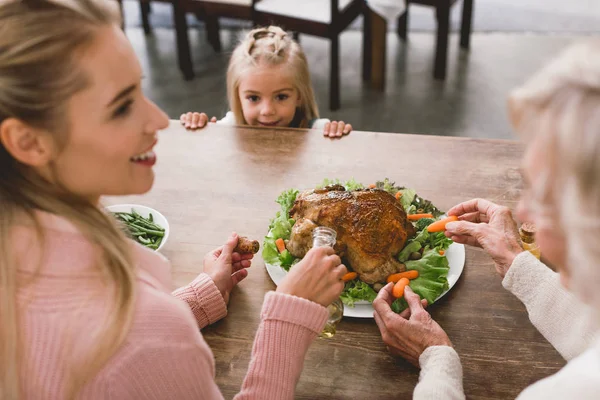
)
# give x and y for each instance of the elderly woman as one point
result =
(558, 114)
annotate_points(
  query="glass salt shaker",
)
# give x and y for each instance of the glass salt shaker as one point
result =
(323, 236)
(527, 233)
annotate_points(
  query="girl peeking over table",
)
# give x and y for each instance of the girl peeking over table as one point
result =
(268, 84)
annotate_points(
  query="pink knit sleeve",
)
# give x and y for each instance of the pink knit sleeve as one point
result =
(165, 371)
(204, 299)
(288, 326)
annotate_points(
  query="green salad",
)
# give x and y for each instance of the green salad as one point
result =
(431, 262)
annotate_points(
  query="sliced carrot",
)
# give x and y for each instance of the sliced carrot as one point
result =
(280, 245)
(398, 195)
(398, 290)
(442, 252)
(440, 226)
(412, 274)
(349, 276)
(416, 217)
(372, 186)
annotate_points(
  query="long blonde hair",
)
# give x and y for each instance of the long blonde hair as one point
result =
(271, 46)
(560, 108)
(38, 75)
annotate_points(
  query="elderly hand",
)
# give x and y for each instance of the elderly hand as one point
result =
(227, 268)
(487, 225)
(335, 129)
(318, 277)
(409, 333)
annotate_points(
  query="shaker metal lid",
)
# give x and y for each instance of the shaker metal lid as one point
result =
(528, 228)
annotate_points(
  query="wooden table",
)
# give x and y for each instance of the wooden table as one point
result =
(212, 182)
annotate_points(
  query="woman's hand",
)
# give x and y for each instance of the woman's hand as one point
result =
(489, 226)
(335, 129)
(194, 120)
(407, 334)
(227, 268)
(318, 277)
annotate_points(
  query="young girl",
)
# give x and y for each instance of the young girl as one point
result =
(87, 313)
(268, 84)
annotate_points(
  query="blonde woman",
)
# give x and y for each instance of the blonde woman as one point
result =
(268, 84)
(87, 313)
(558, 114)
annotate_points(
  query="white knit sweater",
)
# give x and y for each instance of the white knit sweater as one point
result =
(568, 324)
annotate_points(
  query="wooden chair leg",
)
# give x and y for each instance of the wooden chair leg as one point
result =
(378, 51)
(367, 66)
(334, 74)
(144, 12)
(441, 47)
(120, 2)
(465, 27)
(212, 32)
(183, 42)
(403, 25)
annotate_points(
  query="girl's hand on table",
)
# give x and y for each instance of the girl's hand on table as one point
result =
(335, 129)
(227, 268)
(194, 120)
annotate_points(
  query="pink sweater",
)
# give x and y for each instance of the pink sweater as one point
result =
(164, 355)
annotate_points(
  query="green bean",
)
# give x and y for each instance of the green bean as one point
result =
(144, 230)
(148, 231)
(148, 225)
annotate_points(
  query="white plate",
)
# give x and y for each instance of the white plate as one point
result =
(364, 309)
(144, 211)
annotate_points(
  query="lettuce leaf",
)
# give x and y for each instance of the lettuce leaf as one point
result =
(437, 241)
(357, 290)
(411, 247)
(280, 227)
(432, 281)
(287, 199)
(407, 198)
(350, 184)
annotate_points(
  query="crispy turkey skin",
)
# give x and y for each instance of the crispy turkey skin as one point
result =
(371, 227)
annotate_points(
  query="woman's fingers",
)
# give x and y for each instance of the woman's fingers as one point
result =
(475, 205)
(238, 276)
(406, 313)
(475, 217)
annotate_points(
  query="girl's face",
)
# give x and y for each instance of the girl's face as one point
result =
(541, 209)
(112, 125)
(268, 96)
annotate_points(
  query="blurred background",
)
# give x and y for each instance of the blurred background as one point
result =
(409, 86)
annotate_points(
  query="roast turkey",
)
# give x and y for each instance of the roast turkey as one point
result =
(371, 227)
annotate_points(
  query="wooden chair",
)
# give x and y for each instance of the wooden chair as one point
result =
(322, 18)
(210, 11)
(442, 10)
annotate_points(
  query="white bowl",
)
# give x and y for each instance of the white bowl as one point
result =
(144, 211)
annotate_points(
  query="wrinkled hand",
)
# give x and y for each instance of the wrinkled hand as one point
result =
(336, 129)
(318, 277)
(489, 226)
(195, 120)
(227, 268)
(409, 333)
